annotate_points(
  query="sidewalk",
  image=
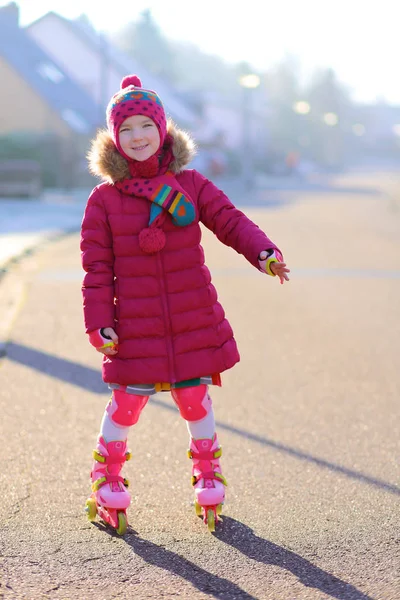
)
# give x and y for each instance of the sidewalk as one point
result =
(25, 223)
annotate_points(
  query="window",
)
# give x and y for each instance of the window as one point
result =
(50, 72)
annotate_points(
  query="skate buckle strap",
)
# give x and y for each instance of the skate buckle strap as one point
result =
(96, 485)
(209, 475)
(111, 460)
(210, 455)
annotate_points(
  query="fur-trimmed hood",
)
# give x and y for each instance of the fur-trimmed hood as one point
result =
(106, 162)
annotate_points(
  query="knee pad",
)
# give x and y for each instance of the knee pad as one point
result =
(124, 409)
(194, 403)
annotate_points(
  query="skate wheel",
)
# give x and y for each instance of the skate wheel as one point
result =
(219, 509)
(210, 520)
(91, 509)
(198, 509)
(122, 523)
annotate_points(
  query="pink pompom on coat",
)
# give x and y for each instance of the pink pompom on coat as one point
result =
(163, 306)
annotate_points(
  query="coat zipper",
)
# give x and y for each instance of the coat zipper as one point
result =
(167, 320)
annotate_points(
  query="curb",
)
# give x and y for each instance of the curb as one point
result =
(12, 297)
(51, 236)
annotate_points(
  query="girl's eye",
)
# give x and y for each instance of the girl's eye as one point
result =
(148, 125)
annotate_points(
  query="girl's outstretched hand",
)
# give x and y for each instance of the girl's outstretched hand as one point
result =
(279, 269)
(274, 265)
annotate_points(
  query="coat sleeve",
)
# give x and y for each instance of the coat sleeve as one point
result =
(229, 224)
(98, 263)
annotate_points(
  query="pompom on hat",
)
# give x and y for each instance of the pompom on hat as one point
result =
(130, 100)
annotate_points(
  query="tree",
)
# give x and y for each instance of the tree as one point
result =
(326, 94)
(283, 91)
(144, 41)
(330, 121)
(198, 71)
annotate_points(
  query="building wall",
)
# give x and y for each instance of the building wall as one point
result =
(21, 109)
(82, 63)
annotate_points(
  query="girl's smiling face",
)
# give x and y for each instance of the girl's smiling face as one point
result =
(139, 137)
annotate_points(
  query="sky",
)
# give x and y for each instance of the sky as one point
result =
(359, 39)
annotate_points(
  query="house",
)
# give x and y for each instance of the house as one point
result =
(44, 113)
(37, 93)
(98, 66)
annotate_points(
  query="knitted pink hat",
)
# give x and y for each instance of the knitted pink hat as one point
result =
(130, 100)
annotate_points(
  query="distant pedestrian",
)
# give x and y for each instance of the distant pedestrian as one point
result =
(149, 304)
(292, 162)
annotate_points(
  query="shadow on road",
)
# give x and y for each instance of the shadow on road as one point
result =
(58, 368)
(204, 581)
(240, 536)
(90, 379)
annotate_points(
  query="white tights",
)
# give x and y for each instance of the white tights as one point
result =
(205, 428)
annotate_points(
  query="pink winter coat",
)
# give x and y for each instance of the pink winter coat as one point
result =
(163, 306)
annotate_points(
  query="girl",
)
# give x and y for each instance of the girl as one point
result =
(149, 304)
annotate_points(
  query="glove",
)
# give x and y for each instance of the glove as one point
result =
(266, 258)
(100, 341)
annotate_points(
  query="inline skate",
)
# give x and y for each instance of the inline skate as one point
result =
(207, 479)
(110, 498)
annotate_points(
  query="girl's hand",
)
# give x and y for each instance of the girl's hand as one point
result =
(105, 340)
(271, 262)
(279, 269)
(111, 345)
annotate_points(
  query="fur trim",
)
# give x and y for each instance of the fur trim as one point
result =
(106, 162)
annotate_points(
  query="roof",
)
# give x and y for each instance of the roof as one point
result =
(179, 110)
(45, 77)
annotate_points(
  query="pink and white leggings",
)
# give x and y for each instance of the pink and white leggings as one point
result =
(124, 408)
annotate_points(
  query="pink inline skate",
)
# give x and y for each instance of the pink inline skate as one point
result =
(207, 479)
(109, 498)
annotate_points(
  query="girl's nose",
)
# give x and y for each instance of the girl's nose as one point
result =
(136, 134)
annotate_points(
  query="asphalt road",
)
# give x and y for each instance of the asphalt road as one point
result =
(308, 421)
